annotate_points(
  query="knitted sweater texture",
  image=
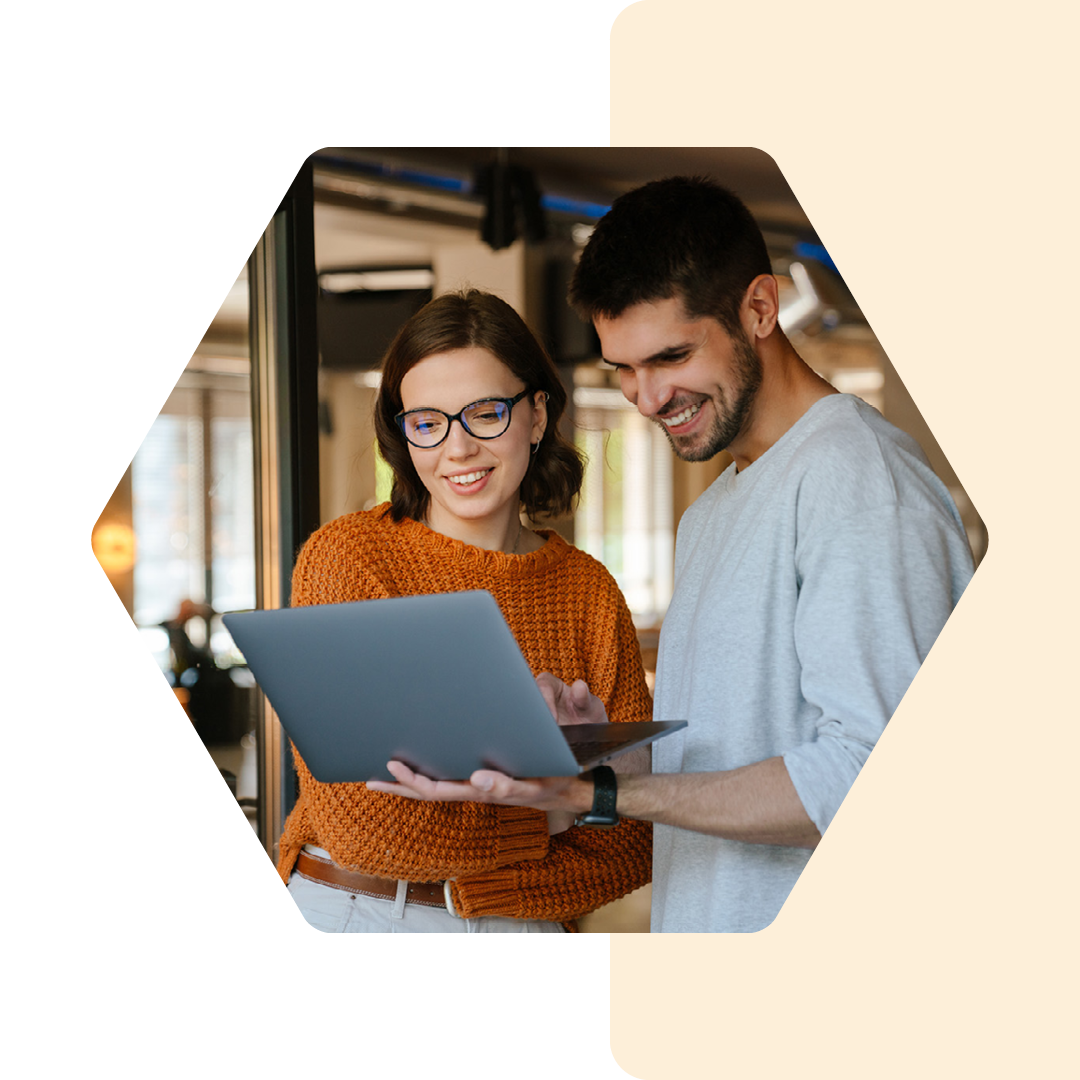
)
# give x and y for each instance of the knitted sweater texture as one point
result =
(570, 619)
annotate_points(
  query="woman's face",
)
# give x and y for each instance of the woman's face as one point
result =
(473, 482)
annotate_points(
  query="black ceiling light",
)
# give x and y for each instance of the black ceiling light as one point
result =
(512, 200)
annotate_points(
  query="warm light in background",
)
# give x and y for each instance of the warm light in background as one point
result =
(114, 547)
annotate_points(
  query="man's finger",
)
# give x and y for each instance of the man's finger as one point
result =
(580, 694)
(422, 785)
(547, 692)
(497, 787)
(388, 788)
(493, 784)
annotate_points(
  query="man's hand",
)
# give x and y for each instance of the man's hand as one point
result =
(756, 804)
(574, 704)
(551, 793)
(561, 797)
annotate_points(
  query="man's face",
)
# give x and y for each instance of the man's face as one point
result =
(689, 375)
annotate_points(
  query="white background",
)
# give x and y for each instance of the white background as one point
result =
(146, 933)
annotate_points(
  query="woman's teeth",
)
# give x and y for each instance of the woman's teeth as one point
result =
(468, 478)
(682, 418)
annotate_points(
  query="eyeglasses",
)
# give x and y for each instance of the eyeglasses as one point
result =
(485, 419)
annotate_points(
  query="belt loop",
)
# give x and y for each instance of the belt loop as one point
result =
(448, 897)
(398, 911)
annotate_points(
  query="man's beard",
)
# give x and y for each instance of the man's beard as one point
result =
(730, 417)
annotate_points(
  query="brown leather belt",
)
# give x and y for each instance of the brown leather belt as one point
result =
(430, 894)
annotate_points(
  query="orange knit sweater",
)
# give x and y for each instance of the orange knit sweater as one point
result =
(570, 619)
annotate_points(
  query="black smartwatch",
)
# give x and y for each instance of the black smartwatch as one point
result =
(605, 792)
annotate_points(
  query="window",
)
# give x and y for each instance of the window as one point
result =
(624, 516)
(192, 503)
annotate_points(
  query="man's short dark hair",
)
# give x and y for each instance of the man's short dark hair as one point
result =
(684, 237)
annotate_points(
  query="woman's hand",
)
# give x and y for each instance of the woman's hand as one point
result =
(574, 704)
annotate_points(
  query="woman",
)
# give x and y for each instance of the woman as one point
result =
(467, 417)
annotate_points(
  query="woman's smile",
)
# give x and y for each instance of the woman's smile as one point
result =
(469, 479)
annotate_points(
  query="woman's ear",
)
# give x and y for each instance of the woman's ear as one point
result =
(540, 416)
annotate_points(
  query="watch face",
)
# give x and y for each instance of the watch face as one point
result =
(594, 821)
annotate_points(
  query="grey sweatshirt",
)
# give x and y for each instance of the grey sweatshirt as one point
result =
(808, 590)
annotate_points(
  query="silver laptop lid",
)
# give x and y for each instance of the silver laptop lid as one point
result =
(435, 681)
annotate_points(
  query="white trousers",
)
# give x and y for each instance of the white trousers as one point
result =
(337, 911)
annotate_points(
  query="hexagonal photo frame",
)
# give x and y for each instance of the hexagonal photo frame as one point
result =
(268, 433)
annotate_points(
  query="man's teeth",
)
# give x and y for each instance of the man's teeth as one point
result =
(468, 478)
(682, 418)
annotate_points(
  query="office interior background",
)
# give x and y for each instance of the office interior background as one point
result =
(268, 432)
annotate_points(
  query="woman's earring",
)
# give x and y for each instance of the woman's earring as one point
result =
(535, 447)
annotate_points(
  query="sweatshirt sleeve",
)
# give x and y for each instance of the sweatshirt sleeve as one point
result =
(875, 591)
(324, 573)
(585, 869)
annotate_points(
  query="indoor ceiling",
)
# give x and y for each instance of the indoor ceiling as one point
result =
(601, 173)
(376, 230)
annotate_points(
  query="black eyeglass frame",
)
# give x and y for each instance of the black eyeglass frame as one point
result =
(460, 418)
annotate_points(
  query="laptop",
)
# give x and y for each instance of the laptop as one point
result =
(437, 682)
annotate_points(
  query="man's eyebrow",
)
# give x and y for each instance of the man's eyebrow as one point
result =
(672, 352)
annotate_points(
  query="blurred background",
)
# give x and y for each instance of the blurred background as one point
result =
(268, 432)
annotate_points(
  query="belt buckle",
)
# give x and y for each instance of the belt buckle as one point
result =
(448, 899)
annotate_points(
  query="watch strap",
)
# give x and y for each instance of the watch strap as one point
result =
(603, 814)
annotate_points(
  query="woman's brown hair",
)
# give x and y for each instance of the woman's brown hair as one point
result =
(475, 319)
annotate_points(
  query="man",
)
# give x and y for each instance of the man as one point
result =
(811, 578)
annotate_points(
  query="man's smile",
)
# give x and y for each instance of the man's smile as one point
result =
(680, 418)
